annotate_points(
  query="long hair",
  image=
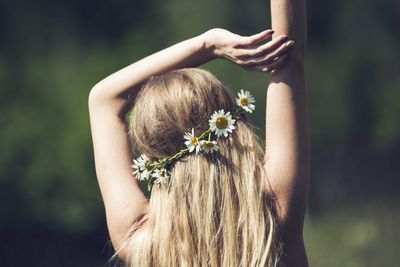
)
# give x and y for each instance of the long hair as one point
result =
(215, 212)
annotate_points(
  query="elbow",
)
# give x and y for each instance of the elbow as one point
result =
(95, 96)
(100, 101)
(92, 98)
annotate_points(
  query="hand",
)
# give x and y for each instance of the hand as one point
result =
(250, 52)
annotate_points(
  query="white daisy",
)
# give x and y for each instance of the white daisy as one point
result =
(221, 123)
(162, 176)
(144, 175)
(192, 142)
(139, 165)
(246, 101)
(209, 146)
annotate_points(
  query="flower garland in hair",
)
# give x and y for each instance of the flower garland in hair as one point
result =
(221, 123)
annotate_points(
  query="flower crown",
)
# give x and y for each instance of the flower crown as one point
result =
(220, 124)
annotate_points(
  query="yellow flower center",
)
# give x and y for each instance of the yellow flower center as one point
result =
(194, 141)
(208, 145)
(244, 101)
(221, 123)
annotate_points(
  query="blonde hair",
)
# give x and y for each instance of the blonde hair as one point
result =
(215, 213)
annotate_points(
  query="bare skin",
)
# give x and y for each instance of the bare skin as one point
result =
(287, 134)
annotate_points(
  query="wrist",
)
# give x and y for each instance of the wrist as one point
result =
(208, 44)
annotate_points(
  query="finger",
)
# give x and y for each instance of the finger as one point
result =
(270, 68)
(274, 71)
(256, 38)
(278, 63)
(258, 68)
(262, 49)
(284, 48)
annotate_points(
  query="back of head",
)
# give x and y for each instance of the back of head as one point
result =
(215, 212)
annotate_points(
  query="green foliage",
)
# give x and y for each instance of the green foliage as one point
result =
(53, 52)
(354, 236)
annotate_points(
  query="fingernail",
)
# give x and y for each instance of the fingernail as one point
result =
(290, 43)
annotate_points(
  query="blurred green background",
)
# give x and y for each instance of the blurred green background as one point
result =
(53, 52)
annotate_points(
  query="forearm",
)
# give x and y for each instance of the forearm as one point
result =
(287, 131)
(288, 17)
(188, 53)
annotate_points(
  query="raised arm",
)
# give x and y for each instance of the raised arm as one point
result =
(287, 133)
(124, 201)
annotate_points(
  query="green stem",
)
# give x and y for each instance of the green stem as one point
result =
(164, 162)
(204, 134)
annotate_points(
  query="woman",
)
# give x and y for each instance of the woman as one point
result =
(214, 200)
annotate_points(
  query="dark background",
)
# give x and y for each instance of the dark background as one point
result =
(53, 52)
